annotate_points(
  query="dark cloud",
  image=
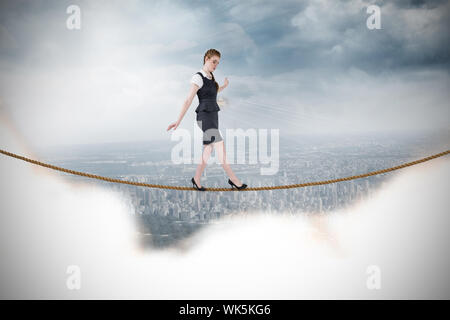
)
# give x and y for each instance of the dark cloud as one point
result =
(427, 4)
(256, 37)
(309, 34)
(411, 35)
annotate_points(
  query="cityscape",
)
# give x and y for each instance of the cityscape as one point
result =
(165, 216)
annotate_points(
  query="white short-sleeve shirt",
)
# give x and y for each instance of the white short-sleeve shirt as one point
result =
(197, 79)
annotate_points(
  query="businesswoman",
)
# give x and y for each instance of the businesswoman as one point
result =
(206, 88)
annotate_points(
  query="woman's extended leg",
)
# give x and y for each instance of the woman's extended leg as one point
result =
(205, 157)
(220, 150)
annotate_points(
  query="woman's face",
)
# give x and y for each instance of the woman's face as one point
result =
(212, 63)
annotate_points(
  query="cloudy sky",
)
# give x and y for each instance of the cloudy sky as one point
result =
(300, 66)
(312, 66)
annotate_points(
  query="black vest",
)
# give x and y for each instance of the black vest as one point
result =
(207, 96)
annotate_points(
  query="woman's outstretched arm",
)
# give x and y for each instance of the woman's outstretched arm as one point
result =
(224, 85)
(186, 104)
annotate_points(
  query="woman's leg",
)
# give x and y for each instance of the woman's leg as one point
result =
(205, 157)
(220, 150)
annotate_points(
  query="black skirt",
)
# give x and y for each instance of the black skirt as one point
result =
(209, 123)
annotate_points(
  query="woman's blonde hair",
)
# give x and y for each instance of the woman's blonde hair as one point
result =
(208, 54)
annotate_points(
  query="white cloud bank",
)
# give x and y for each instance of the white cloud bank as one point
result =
(48, 224)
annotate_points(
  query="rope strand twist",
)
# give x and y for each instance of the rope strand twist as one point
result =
(159, 186)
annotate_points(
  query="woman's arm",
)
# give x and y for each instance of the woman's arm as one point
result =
(224, 85)
(186, 104)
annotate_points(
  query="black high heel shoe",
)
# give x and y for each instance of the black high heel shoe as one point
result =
(243, 186)
(196, 186)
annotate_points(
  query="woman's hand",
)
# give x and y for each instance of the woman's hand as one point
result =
(173, 125)
(225, 84)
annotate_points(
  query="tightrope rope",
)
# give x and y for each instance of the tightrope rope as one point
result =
(300, 185)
